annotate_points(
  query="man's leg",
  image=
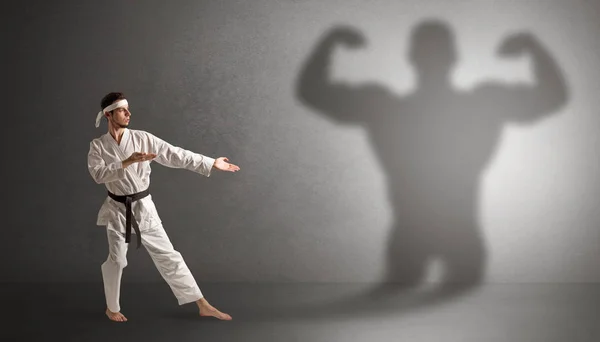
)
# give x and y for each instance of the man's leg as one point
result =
(174, 270)
(112, 271)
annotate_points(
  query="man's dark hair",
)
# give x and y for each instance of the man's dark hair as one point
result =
(110, 98)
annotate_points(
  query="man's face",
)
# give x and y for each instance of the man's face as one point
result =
(120, 117)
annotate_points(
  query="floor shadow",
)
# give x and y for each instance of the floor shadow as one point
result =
(275, 312)
(433, 145)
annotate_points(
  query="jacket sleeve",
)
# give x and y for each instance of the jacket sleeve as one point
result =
(177, 157)
(99, 170)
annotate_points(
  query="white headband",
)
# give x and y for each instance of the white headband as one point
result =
(113, 106)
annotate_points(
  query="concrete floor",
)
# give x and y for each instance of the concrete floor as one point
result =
(306, 312)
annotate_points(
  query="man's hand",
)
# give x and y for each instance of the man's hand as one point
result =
(222, 164)
(137, 157)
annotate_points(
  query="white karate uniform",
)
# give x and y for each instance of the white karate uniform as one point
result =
(105, 166)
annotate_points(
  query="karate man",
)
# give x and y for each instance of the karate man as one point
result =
(120, 159)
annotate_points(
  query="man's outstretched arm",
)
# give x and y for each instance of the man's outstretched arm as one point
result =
(176, 157)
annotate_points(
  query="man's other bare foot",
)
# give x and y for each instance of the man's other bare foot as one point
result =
(208, 310)
(116, 316)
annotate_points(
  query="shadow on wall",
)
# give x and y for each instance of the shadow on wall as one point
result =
(434, 145)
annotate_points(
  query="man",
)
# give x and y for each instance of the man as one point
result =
(120, 159)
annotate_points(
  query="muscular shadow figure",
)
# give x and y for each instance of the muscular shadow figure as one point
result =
(434, 143)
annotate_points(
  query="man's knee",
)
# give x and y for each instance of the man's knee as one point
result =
(116, 261)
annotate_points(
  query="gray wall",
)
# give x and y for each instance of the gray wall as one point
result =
(336, 183)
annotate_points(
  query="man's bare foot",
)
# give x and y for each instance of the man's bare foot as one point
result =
(208, 310)
(116, 316)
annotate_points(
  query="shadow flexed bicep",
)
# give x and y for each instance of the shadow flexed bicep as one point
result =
(339, 102)
(524, 103)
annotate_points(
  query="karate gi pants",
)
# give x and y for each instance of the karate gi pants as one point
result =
(167, 260)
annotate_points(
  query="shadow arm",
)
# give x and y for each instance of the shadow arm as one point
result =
(523, 103)
(341, 103)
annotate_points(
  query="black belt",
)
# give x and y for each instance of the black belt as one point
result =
(128, 199)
